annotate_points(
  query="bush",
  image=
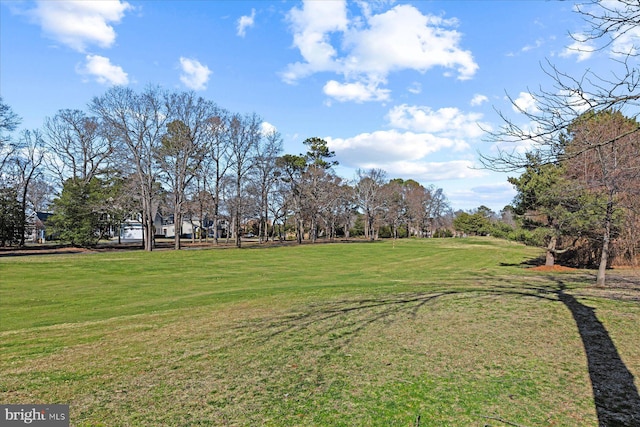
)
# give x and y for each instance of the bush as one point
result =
(442, 233)
(501, 230)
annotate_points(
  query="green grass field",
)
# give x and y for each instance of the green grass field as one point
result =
(439, 332)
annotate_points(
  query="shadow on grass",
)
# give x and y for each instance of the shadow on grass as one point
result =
(616, 397)
(614, 391)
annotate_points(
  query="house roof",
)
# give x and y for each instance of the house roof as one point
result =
(43, 216)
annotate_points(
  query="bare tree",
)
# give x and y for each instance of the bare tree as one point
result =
(28, 161)
(368, 192)
(395, 205)
(611, 24)
(316, 180)
(440, 208)
(244, 137)
(292, 168)
(317, 184)
(215, 164)
(278, 208)
(331, 204)
(77, 146)
(346, 207)
(183, 148)
(40, 194)
(9, 121)
(138, 121)
(267, 151)
(418, 207)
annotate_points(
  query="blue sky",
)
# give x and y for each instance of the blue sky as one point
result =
(405, 86)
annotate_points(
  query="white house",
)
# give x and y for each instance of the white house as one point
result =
(131, 229)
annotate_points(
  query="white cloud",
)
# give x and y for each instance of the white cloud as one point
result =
(388, 146)
(415, 88)
(478, 100)
(267, 128)
(582, 50)
(446, 122)
(492, 195)
(104, 71)
(436, 171)
(246, 22)
(403, 38)
(525, 102)
(578, 101)
(368, 47)
(538, 43)
(80, 23)
(358, 91)
(423, 144)
(194, 75)
(311, 26)
(626, 42)
(428, 172)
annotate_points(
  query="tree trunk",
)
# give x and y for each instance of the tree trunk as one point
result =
(299, 230)
(237, 230)
(23, 214)
(264, 226)
(372, 231)
(604, 257)
(313, 230)
(551, 252)
(238, 207)
(150, 233)
(216, 220)
(177, 226)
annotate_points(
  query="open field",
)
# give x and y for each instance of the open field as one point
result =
(439, 332)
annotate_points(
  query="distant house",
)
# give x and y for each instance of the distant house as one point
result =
(192, 227)
(36, 227)
(131, 229)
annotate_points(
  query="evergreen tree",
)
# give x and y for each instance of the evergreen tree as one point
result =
(11, 218)
(77, 212)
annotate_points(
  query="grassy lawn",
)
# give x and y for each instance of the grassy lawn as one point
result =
(439, 332)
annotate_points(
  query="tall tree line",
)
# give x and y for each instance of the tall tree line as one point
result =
(141, 154)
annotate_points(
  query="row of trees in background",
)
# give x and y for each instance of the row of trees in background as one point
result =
(173, 153)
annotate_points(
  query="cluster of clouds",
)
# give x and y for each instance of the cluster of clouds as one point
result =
(355, 47)
(83, 25)
(359, 45)
(414, 133)
(362, 49)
